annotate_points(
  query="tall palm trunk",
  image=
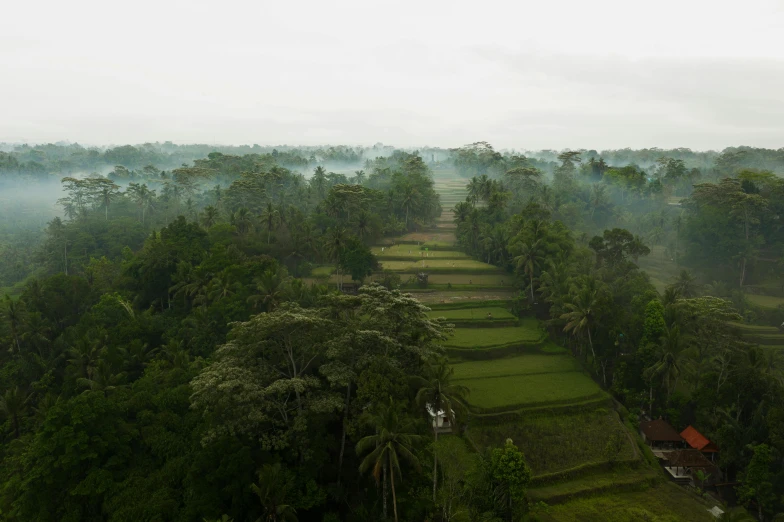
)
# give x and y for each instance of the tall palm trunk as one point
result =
(590, 342)
(345, 425)
(394, 497)
(435, 457)
(384, 492)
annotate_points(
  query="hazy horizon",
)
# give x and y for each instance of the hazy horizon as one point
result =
(608, 75)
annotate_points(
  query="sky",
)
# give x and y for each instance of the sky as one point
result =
(519, 74)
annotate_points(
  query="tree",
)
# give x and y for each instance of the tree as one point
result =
(275, 489)
(529, 259)
(757, 480)
(210, 216)
(13, 404)
(14, 314)
(392, 443)
(510, 476)
(270, 219)
(581, 314)
(436, 393)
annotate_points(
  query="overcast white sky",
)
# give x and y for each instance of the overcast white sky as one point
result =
(522, 74)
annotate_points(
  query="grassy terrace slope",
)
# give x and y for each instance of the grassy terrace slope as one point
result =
(528, 332)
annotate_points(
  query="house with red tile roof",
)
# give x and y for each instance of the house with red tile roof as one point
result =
(700, 442)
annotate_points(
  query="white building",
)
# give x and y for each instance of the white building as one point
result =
(440, 420)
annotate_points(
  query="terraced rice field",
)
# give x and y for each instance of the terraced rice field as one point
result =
(554, 443)
(765, 301)
(528, 332)
(518, 391)
(664, 502)
(511, 366)
(445, 238)
(416, 253)
(471, 279)
(468, 314)
(439, 264)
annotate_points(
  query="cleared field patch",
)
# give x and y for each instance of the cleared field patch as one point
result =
(754, 328)
(665, 502)
(511, 366)
(462, 296)
(441, 237)
(442, 265)
(478, 314)
(321, 271)
(471, 279)
(529, 332)
(765, 301)
(416, 254)
(555, 443)
(498, 393)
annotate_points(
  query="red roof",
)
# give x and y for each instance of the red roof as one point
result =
(660, 431)
(697, 440)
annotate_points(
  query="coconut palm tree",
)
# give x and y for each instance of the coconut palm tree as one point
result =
(581, 314)
(529, 259)
(242, 220)
(13, 404)
(271, 286)
(270, 217)
(392, 443)
(274, 489)
(437, 393)
(13, 313)
(210, 216)
(336, 242)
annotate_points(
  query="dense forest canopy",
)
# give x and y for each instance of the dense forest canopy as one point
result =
(183, 338)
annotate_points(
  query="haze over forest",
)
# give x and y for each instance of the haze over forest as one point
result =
(427, 262)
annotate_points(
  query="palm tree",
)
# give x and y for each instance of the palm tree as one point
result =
(360, 177)
(101, 378)
(581, 312)
(462, 211)
(271, 286)
(336, 242)
(667, 368)
(437, 393)
(241, 219)
(274, 490)
(474, 188)
(529, 260)
(409, 198)
(14, 314)
(13, 403)
(392, 442)
(270, 218)
(210, 216)
(685, 285)
(319, 181)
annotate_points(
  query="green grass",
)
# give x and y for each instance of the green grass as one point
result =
(478, 314)
(322, 271)
(473, 279)
(665, 502)
(528, 332)
(415, 254)
(442, 265)
(555, 443)
(510, 366)
(754, 328)
(518, 391)
(765, 301)
(463, 296)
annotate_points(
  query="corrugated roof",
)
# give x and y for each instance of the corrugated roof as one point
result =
(660, 430)
(688, 458)
(695, 439)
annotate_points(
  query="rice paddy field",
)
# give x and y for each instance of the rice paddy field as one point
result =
(442, 265)
(518, 391)
(555, 443)
(765, 301)
(415, 253)
(514, 366)
(661, 268)
(529, 332)
(478, 314)
(662, 502)
(462, 296)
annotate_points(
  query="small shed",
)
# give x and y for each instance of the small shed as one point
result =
(659, 434)
(699, 442)
(440, 420)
